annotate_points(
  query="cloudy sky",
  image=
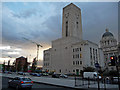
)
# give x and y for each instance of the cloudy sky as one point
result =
(41, 22)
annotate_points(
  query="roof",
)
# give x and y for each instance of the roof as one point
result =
(71, 4)
(107, 34)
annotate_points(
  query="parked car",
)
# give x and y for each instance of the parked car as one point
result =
(91, 75)
(37, 74)
(63, 76)
(20, 82)
(33, 74)
(115, 80)
(20, 73)
(45, 74)
(55, 75)
(8, 72)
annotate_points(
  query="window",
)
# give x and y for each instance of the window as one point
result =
(66, 28)
(73, 56)
(80, 49)
(80, 62)
(73, 70)
(77, 55)
(105, 42)
(80, 55)
(73, 50)
(60, 70)
(73, 62)
(77, 49)
(77, 62)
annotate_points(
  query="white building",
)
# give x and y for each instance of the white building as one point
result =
(71, 53)
(110, 48)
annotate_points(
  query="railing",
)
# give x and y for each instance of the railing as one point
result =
(80, 81)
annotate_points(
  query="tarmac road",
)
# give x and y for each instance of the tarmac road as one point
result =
(35, 86)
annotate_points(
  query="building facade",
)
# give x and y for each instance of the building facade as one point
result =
(110, 48)
(70, 54)
(20, 63)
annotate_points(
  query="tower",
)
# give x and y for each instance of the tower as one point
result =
(71, 21)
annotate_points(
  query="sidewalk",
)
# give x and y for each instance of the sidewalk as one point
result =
(65, 82)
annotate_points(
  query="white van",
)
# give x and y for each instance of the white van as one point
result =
(91, 75)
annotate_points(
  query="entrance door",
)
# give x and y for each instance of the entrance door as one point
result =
(77, 71)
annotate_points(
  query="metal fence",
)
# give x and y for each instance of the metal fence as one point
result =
(80, 81)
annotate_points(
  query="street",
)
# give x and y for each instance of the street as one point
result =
(35, 86)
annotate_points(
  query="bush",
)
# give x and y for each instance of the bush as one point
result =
(112, 73)
(87, 69)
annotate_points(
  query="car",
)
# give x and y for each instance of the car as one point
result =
(37, 74)
(31, 73)
(45, 74)
(20, 73)
(55, 75)
(63, 76)
(8, 72)
(20, 82)
(114, 80)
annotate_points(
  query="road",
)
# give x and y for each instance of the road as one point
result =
(35, 86)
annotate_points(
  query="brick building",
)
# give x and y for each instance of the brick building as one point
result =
(21, 63)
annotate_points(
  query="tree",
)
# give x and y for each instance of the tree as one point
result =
(112, 73)
(3, 65)
(87, 69)
(34, 65)
(8, 66)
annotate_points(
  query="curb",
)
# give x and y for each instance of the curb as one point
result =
(60, 86)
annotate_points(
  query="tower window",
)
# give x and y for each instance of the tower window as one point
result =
(66, 28)
(77, 24)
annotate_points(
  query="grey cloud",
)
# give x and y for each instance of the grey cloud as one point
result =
(26, 13)
(95, 18)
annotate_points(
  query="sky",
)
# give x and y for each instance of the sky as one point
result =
(41, 22)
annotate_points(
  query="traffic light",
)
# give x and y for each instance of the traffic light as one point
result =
(113, 60)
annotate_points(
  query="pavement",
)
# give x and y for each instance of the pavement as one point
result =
(66, 82)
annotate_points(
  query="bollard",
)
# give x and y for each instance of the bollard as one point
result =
(94, 80)
(104, 84)
(82, 81)
(88, 82)
(75, 80)
(98, 83)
